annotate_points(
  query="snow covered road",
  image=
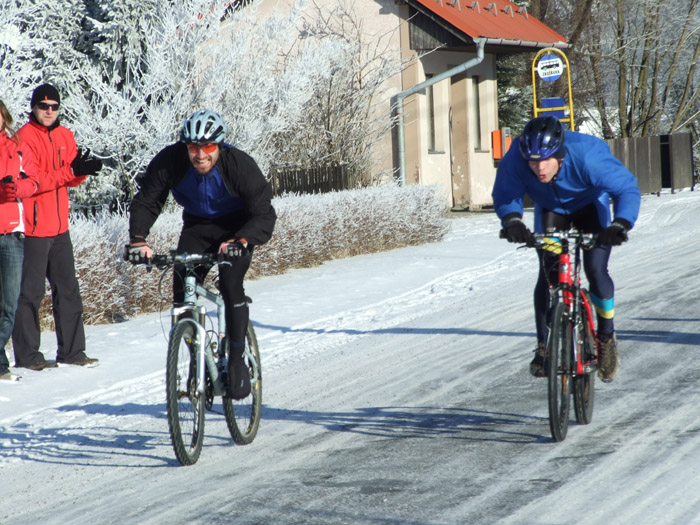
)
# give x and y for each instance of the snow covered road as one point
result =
(396, 391)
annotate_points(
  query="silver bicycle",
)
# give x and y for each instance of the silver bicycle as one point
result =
(197, 370)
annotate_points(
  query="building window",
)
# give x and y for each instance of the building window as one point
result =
(435, 107)
(476, 114)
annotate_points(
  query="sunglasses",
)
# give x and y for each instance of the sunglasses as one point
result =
(206, 148)
(45, 107)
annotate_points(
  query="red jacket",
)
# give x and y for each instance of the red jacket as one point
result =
(11, 163)
(52, 150)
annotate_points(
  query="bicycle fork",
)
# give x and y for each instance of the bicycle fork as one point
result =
(205, 355)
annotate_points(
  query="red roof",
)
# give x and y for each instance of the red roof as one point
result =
(497, 19)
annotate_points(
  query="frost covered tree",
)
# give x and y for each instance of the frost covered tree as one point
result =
(197, 53)
(36, 38)
(348, 114)
(131, 71)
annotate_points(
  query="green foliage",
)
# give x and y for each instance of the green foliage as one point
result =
(514, 92)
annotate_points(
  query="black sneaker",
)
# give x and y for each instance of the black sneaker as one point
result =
(238, 380)
(538, 365)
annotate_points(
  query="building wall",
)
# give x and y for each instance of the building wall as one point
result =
(461, 163)
(444, 153)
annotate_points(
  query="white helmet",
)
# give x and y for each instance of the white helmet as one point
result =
(203, 126)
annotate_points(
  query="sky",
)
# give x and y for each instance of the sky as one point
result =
(395, 390)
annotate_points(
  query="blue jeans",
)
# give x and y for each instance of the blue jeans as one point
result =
(11, 254)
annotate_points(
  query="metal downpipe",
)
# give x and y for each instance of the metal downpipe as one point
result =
(480, 43)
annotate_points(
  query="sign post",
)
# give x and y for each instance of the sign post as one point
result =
(549, 65)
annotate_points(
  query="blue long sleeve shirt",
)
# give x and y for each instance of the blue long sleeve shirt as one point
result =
(205, 195)
(589, 174)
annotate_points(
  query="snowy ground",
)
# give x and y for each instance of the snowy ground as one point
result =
(396, 391)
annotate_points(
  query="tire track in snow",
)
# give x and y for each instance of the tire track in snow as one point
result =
(299, 342)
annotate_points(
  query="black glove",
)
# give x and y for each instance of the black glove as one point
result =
(85, 164)
(615, 234)
(229, 251)
(514, 230)
(138, 252)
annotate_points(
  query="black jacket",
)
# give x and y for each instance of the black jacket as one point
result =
(242, 178)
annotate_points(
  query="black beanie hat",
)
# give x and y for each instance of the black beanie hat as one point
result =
(45, 92)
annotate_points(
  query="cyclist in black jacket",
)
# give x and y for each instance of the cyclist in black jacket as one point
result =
(226, 209)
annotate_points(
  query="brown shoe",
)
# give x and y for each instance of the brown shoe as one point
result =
(538, 365)
(608, 361)
(83, 361)
(39, 366)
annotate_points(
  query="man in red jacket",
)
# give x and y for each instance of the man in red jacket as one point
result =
(48, 250)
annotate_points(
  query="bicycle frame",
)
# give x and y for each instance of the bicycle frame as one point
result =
(197, 361)
(569, 288)
(205, 357)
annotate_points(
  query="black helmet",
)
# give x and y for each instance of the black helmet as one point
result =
(542, 137)
(203, 126)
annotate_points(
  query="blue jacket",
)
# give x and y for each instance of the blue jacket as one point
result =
(206, 196)
(590, 174)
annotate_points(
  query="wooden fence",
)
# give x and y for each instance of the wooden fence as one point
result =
(321, 179)
(664, 161)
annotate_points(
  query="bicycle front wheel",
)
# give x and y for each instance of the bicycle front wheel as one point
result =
(185, 404)
(243, 416)
(559, 372)
(584, 385)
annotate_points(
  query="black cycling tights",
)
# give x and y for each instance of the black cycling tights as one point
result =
(206, 238)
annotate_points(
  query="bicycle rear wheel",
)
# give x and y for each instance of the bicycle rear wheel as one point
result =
(185, 405)
(559, 372)
(584, 385)
(243, 416)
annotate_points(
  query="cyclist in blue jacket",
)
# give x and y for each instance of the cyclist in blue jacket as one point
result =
(571, 177)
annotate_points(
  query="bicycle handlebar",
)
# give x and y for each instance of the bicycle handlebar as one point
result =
(162, 260)
(586, 240)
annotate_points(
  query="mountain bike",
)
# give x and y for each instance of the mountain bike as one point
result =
(197, 366)
(571, 353)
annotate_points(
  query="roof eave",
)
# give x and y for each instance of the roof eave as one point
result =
(503, 45)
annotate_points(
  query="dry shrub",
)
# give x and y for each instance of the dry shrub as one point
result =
(310, 230)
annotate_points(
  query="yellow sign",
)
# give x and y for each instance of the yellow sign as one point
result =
(550, 64)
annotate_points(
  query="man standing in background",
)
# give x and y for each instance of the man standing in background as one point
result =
(48, 250)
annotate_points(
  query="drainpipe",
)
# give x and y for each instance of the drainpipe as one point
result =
(480, 43)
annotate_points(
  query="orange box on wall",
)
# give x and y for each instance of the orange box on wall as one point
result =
(500, 142)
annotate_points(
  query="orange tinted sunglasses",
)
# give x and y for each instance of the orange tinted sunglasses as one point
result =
(206, 148)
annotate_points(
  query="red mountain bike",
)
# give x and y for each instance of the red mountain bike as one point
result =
(571, 355)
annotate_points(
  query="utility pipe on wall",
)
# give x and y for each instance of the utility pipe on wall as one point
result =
(480, 43)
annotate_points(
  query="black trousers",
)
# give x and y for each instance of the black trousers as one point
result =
(205, 236)
(49, 258)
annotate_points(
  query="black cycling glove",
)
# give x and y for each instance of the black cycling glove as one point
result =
(228, 251)
(514, 230)
(615, 234)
